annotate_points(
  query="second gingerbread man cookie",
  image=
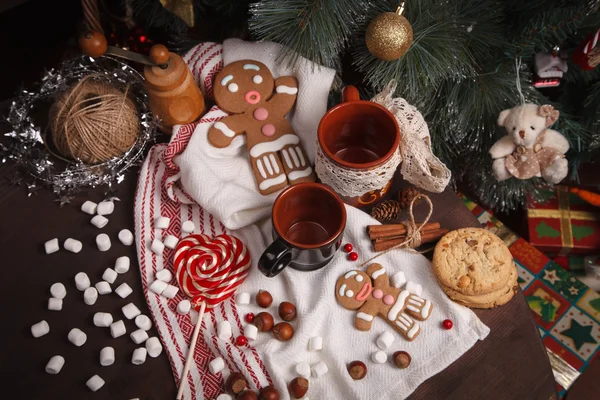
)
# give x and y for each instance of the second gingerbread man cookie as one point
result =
(371, 294)
(258, 105)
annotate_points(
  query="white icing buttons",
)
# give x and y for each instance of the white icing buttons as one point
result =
(257, 79)
(232, 87)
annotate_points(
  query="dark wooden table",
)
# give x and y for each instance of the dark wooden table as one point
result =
(510, 364)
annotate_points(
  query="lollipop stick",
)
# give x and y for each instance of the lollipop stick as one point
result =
(190, 354)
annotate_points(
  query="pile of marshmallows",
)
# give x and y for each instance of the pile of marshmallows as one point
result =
(152, 345)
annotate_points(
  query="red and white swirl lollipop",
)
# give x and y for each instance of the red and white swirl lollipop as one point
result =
(208, 271)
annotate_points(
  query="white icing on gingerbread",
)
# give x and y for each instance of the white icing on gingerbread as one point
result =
(300, 156)
(404, 318)
(351, 273)
(398, 305)
(413, 331)
(359, 278)
(294, 157)
(274, 163)
(224, 129)
(286, 89)
(268, 165)
(288, 161)
(226, 79)
(261, 170)
(414, 301)
(273, 146)
(257, 79)
(233, 87)
(412, 308)
(299, 174)
(376, 274)
(272, 182)
(426, 309)
(402, 326)
(349, 293)
(251, 66)
(342, 289)
(364, 316)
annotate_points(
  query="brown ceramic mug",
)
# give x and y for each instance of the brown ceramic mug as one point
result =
(308, 224)
(359, 135)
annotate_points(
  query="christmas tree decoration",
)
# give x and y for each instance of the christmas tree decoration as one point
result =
(389, 35)
(587, 55)
(549, 68)
(530, 149)
(386, 210)
(406, 196)
(184, 9)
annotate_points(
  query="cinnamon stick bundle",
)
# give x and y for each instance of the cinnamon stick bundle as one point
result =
(397, 230)
(381, 244)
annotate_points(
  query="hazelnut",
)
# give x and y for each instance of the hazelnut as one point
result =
(472, 242)
(283, 331)
(402, 359)
(264, 321)
(298, 387)
(464, 281)
(287, 311)
(357, 370)
(235, 384)
(247, 395)
(268, 393)
(264, 299)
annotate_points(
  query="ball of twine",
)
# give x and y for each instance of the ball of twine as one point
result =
(94, 121)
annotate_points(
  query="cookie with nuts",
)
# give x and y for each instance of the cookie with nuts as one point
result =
(472, 262)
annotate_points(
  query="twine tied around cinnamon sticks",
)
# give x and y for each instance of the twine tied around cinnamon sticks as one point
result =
(406, 234)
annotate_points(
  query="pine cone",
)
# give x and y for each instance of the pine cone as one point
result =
(407, 195)
(386, 210)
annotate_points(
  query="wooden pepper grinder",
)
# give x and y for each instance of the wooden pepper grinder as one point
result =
(174, 96)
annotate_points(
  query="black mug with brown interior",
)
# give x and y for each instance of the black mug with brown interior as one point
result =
(308, 225)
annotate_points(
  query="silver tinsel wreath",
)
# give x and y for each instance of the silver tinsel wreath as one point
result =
(27, 149)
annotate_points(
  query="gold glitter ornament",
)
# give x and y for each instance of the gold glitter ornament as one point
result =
(389, 35)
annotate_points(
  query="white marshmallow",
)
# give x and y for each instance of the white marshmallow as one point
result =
(72, 245)
(99, 221)
(102, 319)
(224, 396)
(251, 332)
(126, 237)
(243, 298)
(40, 329)
(55, 365)
(103, 287)
(415, 288)
(110, 275)
(58, 290)
(216, 365)
(123, 290)
(117, 329)
(139, 336)
(170, 241)
(158, 286)
(170, 291)
(95, 383)
(379, 357)
(122, 264)
(162, 222)
(130, 311)
(303, 369)
(319, 369)
(385, 340)
(184, 307)
(89, 207)
(154, 347)
(55, 304)
(103, 242)
(188, 227)
(398, 279)
(157, 247)
(82, 281)
(143, 322)
(77, 337)
(51, 246)
(105, 208)
(315, 343)
(90, 296)
(139, 356)
(164, 275)
(107, 356)
(224, 331)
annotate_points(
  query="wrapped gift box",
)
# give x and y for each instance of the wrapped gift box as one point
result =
(563, 224)
(566, 311)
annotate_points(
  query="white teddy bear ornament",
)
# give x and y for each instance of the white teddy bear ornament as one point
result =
(530, 149)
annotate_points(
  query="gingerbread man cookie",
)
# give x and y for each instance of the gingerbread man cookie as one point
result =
(371, 294)
(245, 90)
